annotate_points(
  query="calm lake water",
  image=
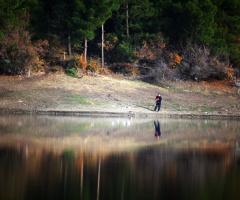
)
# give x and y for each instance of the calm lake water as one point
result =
(49, 157)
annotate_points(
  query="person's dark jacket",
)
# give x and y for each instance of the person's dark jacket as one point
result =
(158, 99)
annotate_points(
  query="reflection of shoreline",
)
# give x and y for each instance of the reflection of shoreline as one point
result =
(105, 146)
(91, 144)
(55, 126)
(111, 134)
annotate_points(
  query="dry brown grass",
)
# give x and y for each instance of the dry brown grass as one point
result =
(57, 91)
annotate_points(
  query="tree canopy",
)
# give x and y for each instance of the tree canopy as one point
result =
(211, 23)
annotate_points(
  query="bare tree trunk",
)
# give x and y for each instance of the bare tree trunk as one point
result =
(98, 183)
(85, 50)
(82, 177)
(69, 44)
(102, 46)
(127, 24)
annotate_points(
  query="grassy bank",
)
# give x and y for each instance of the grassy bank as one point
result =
(115, 94)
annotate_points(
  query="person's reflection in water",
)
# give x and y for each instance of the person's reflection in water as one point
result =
(157, 129)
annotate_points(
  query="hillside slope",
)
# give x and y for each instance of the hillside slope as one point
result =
(57, 91)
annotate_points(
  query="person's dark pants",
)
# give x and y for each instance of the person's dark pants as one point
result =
(158, 106)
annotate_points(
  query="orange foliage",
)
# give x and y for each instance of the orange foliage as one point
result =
(110, 42)
(230, 72)
(224, 85)
(129, 69)
(145, 52)
(175, 59)
(38, 63)
(93, 64)
(124, 68)
(17, 50)
(153, 49)
(81, 63)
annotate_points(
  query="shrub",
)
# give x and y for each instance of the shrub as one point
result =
(38, 65)
(230, 73)
(110, 41)
(152, 55)
(17, 53)
(94, 64)
(55, 50)
(57, 68)
(175, 59)
(124, 68)
(163, 71)
(72, 72)
(70, 63)
(157, 61)
(145, 52)
(116, 50)
(154, 49)
(80, 63)
(198, 64)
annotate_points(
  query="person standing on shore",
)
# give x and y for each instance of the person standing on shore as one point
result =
(158, 102)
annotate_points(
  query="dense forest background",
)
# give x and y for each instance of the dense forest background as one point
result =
(164, 39)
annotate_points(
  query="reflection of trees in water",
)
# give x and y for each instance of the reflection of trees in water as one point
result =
(36, 173)
(151, 173)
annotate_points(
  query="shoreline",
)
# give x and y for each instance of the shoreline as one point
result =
(129, 113)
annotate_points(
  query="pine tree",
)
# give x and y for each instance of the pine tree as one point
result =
(10, 14)
(202, 20)
(228, 29)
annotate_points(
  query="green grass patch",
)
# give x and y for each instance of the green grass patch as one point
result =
(76, 99)
(208, 110)
(174, 105)
(140, 83)
(17, 94)
(25, 96)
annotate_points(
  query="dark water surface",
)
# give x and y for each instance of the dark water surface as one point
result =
(48, 157)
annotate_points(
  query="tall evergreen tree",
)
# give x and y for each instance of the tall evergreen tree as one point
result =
(11, 13)
(202, 20)
(74, 21)
(228, 29)
(88, 16)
